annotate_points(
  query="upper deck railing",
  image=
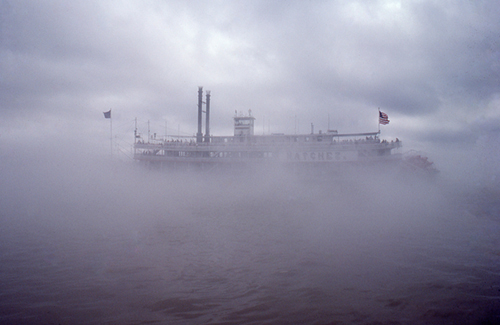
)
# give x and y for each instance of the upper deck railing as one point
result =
(274, 140)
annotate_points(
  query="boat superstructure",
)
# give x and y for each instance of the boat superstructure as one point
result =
(244, 147)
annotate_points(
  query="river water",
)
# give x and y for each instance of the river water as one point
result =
(98, 248)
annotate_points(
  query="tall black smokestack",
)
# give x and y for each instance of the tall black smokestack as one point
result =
(199, 135)
(207, 122)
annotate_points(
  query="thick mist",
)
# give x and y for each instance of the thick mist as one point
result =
(106, 241)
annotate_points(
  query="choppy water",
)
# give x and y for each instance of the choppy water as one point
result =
(153, 250)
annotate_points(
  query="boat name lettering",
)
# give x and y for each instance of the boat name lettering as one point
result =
(307, 156)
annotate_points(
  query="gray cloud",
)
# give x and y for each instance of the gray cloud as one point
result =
(69, 61)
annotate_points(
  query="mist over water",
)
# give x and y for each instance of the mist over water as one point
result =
(112, 242)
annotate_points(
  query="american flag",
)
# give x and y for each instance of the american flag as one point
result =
(383, 118)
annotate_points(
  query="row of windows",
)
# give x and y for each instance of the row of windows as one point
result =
(289, 139)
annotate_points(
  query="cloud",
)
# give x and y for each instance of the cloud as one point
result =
(287, 61)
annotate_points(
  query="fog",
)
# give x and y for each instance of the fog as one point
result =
(89, 238)
(93, 239)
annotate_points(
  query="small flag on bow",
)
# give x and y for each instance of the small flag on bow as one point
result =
(107, 114)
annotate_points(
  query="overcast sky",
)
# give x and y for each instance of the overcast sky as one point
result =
(432, 66)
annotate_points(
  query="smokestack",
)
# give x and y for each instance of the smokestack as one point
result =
(207, 122)
(199, 135)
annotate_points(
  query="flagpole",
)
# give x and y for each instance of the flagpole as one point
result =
(108, 115)
(111, 132)
(378, 119)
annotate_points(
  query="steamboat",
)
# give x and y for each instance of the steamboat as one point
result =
(327, 150)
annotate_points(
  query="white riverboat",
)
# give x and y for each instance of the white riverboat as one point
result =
(244, 147)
